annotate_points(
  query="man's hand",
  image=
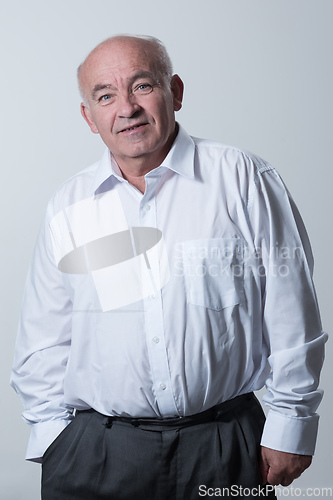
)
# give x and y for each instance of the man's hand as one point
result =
(278, 467)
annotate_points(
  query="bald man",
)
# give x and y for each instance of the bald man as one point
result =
(170, 280)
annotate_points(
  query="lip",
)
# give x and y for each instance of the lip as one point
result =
(133, 128)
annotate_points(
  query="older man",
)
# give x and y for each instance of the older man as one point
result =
(169, 281)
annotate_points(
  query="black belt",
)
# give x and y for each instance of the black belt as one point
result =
(160, 424)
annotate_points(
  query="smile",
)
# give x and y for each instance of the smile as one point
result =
(133, 128)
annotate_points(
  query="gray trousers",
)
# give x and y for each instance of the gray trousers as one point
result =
(104, 458)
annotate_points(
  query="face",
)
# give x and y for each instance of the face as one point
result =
(129, 104)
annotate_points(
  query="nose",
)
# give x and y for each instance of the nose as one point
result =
(127, 105)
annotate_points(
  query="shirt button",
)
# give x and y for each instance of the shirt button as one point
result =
(156, 340)
(152, 295)
(146, 207)
(163, 387)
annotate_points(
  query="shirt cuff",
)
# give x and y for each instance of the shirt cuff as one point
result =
(290, 434)
(42, 435)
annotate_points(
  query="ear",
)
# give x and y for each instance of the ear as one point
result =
(86, 113)
(177, 88)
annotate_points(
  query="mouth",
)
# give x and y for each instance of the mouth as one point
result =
(134, 127)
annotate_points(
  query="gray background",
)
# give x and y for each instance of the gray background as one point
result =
(258, 75)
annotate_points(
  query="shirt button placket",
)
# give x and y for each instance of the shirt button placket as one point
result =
(155, 331)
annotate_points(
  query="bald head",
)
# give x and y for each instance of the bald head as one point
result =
(150, 47)
(129, 98)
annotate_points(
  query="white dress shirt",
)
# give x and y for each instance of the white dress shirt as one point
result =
(169, 302)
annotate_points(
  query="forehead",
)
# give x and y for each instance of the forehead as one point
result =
(117, 62)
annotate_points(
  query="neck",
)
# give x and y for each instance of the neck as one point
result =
(136, 181)
(138, 167)
(135, 169)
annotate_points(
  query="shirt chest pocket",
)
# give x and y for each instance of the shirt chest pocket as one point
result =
(214, 272)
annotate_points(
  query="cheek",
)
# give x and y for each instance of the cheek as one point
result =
(104, 122)
(163, 115)
(160, 109)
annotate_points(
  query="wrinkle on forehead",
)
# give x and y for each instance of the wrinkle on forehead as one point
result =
(116, 56)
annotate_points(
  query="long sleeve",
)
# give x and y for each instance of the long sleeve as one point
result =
(144, 357)
(42, 349)
(291, 321)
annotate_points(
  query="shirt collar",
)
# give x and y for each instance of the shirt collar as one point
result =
(180, 159)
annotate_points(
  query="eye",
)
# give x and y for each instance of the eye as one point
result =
(143, 88)
(105, 98)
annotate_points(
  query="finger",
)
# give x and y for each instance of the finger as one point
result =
(263, 468)
(273, 478)
(263, 473)
(286, 481)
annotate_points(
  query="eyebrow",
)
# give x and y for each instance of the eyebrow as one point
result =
(103, 86)
(142, 74)
(98, 87)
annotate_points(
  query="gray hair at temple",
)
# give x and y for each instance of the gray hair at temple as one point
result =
(159, 53)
